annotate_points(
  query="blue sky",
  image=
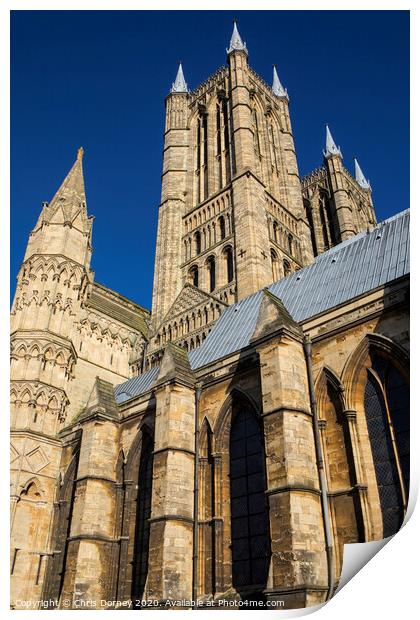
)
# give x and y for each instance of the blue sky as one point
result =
(99, 79)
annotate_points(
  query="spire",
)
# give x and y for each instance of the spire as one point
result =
(71, 193)
(180, 85)
(330, 146)
(236, 43)
(70, 197)
(360, 177)
(277, 87)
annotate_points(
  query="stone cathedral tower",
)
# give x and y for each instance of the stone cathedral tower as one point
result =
(65, 330)
(233, 217)
(224, 447)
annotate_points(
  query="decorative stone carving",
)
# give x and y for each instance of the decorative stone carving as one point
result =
(37, 394)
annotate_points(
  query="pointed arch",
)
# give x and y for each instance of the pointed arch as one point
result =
(60, 359)
(32, 489)
(354, 364)
(223, 419)
(63, 511)
(142, 517)
(206, 515)
(249, 515)
(327, 376)
(53, 403)
(21, 352)
(34, 351)
(135, 512)
(340, 469)
(376, 380)
(26, 395)
(49, 354)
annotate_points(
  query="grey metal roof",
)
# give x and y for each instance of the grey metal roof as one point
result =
(137, 385)
(352, 268)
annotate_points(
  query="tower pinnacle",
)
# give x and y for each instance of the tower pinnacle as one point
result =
(236, 43)
(70, 197)
(360, 177)
(71, 193)
(180, 85)
(277, 87)
(330, 147)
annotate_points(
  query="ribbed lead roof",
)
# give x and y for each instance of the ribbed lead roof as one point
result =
(354, 267)
(137, 385)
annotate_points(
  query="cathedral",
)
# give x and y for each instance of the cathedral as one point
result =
(222, 448)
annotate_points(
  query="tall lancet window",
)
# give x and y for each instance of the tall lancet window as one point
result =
(205, 157)
(197, 242)
(222, 227)
(228, 254)
(249, 515)
(198, 162)
(219, 167)
(207, 509)
(272, 143)
(143, 510)
(275, 271)
(388, 422)
(226, 142)
(255, 129)
(202, 155)
(211, 267)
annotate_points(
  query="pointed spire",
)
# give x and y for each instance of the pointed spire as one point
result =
(360, 177)
(277, 87)
(70, 196)
(236, 43)
(71, 193)
(330, 147)
(180, 85)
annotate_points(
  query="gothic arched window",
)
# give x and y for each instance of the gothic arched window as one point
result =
(222, 228)
(211, 266)
(193, 275)
(255, 132)
(274, 266)
(339, 466)
(308, 211)
(386, 402)
(143, 510)
(290, 244)
(197, 241)
(249, 514)
(276, 232)
(228, 254)
(286, 268)
(207, 509)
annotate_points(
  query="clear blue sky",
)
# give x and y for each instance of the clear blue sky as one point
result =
(99, 79)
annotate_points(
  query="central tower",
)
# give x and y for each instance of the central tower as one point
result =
(231, 218)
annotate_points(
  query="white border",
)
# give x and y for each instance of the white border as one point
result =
(387, 586)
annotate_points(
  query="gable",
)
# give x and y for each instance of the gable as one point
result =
(189, 298)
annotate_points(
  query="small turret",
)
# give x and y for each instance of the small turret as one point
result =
(180, 85)
(360, 177)
(277, 87)
(236, 43)
(330, 146)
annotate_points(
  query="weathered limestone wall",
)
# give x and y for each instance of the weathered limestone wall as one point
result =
(94, 515)
(298, 573)
(171, 527)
